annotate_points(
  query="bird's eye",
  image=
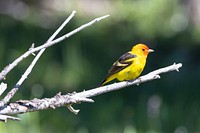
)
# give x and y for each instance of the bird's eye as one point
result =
(143, 49)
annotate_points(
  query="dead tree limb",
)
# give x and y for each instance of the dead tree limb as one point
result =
(24, 106)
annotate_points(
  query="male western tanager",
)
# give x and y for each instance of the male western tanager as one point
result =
(130, 65)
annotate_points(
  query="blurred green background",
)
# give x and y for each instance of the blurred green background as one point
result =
(170, 27)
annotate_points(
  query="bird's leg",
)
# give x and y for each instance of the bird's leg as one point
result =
(140, 80)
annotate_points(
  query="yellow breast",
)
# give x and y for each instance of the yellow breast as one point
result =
(132, 71)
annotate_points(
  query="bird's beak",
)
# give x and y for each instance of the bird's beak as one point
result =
(150, 50)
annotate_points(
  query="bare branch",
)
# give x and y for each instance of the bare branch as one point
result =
(42, 48)
(8, 68)
(24, 106)
(116, 86)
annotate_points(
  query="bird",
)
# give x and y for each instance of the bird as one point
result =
(130, 65)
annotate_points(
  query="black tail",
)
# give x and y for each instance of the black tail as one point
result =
(102, 83)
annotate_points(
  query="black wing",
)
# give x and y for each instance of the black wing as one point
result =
(121, 63)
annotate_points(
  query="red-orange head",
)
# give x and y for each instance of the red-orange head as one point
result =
(141, 49)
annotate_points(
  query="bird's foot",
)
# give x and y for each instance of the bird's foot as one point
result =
(140, 80)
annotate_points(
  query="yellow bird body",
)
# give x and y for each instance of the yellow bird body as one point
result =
(130, 65)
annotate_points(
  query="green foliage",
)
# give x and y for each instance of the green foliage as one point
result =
(170, 104)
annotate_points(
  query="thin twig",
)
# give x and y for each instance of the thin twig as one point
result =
(76, 30)
(24, 106)
(3, 87)
(4, 118)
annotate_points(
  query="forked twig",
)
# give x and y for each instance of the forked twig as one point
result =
(42, 48)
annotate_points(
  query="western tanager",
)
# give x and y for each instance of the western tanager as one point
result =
(130, 65)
